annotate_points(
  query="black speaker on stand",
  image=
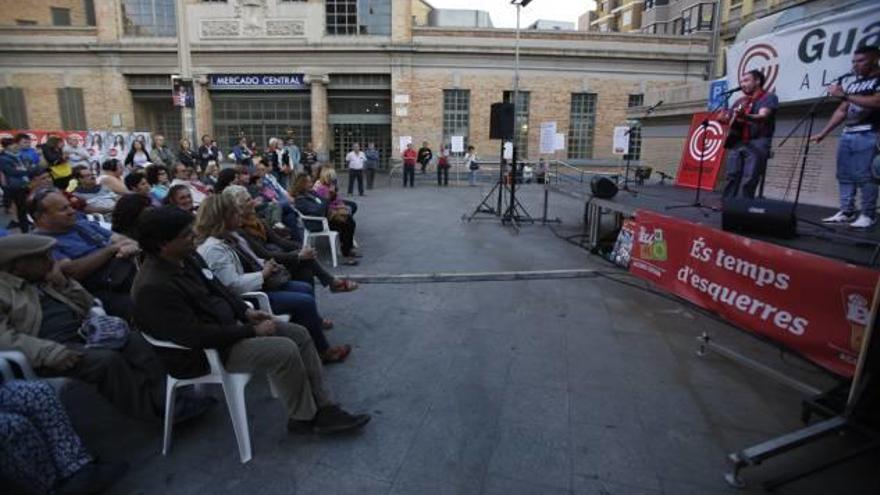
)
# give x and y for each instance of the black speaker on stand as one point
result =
(501, 121)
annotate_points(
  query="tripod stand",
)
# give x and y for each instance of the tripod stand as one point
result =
(515, 212)
(485, 205)
(626, 168)
(697, 203)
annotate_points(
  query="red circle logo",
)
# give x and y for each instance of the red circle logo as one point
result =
(706, 147)
(764, 58)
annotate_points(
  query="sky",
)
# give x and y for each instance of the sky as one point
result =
(504, 14)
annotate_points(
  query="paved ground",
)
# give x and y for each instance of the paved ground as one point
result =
(578, 386)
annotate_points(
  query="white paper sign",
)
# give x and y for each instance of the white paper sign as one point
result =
(621, 140)
(548, 137)
(507, 154)
(560, 141)
(457, 143)
(402, 111)
(405, 140)
(401, 99)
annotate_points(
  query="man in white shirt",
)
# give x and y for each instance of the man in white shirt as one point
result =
(356, 160)
(183, 175)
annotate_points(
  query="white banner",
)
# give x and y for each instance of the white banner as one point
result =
(548, 137)
(457, 143)
(800, 61)
(621, 140)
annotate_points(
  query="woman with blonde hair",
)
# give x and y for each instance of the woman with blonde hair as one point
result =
(268, 244)
(235, 265)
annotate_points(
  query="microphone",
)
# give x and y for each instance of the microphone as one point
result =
(653, 107)
(845, 76)
(731, 91)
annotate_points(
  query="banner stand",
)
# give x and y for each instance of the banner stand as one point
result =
(839, 415)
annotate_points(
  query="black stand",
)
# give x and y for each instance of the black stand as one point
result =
(705, 125)
(516, 212)
(626, 171)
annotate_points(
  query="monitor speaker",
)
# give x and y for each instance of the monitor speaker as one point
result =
(759, 216)
(603, 187)
(501, 121)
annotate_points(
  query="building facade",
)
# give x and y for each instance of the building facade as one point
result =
(324, 71)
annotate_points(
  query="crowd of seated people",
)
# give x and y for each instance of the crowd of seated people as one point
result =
(177, 269)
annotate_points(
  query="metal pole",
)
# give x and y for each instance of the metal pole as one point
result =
(184, 61)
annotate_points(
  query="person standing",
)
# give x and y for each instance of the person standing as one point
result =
(443, 168)
(356, 159)
(425, 156)
(752, 125)
(161, 154)
(292, 158)
(56, 159)
(409, 165)
(14, 169)
(208, 152)
(372, 155)
(470, 161)
(857, 148)
(309, 159)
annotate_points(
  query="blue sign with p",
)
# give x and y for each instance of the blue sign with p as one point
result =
(717, 90)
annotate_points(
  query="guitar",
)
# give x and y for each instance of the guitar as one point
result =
(737, 123)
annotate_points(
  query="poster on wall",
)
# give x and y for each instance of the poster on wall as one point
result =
(116, 145)
(144, 137)
(457, 143)
(548, 138)
(182, 92)
(404, 140)
(620, 144)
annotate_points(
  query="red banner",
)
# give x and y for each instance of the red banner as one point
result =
(816, 306)
(707, 142)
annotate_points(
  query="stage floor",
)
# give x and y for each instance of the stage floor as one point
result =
(833, 241)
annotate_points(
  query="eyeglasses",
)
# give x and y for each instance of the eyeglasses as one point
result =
(37, 198)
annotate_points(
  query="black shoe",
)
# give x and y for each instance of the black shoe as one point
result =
(300, 426)
(12, 225)
(189, 407)
(333, 419)
(93, 478)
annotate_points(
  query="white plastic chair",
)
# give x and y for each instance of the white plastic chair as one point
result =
(325, 231)
(17, 357)
(233, 385)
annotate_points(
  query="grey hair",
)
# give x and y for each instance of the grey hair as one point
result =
(238, 194)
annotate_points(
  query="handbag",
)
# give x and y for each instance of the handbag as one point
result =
(474, 165)
(104, 332)
(275, 280)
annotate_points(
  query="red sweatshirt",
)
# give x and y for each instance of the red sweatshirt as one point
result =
(409, 157)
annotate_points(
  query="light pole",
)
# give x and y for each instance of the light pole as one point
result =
(184, 61)
(511, 213)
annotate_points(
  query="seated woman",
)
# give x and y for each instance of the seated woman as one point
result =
(265, 200)
(326, 187)
(136, 182)
(157, 176)
(268, 244)
(127, 211)
(111, 176)
(233, 262)
(40, 452)
(339, 218)
(180, 196)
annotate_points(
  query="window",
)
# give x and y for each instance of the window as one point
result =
(60, 17)
(627, 18)
(583, 125)
(71, 109)
(456, 114)
(262, 116)
(154, 18)
(12, 108)
(90, 12)
(522, 122)
(635, 133)
(352, 17)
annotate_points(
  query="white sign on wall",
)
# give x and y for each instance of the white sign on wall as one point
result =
(560, 141)
(404, 140)
(621, 140)
(548, 137)
(801, 61)
(457, 143)
(401, 99)
(402, 111)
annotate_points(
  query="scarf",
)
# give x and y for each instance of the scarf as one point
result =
(253, 226)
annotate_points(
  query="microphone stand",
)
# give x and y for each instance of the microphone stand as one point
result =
(698, 204)
(626, 169)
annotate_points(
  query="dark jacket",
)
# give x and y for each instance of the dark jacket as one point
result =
(52, 155)
(311, 205)
(187, 158)
(425, 155)
(179, 304)
(207, 154)
(284, 251)
(15, 170)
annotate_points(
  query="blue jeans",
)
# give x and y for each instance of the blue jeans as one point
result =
(298, 300)
(855, 152)
(746, 163)
(472, 177)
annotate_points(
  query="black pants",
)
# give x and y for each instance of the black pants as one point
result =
(442, 176)
(346, 233)
(356, 175)
(371, 175)
(18, 197)
(424, 166)
(309, 270)
(131, 378)
(409, 172)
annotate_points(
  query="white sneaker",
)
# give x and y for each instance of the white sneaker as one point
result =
(839, 217)
(863, 222)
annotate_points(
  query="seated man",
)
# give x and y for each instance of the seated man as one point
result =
(178, 299)
(41, 312)
(101, 260)
(98, 198)
(274, 189)
(183, 176)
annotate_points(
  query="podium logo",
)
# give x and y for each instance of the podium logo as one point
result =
(652, 245)
(764, 58)
(714, 141)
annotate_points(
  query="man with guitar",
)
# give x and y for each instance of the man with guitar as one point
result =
(858, 145)
(752, 122)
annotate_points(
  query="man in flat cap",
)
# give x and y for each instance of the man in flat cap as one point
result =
(41, 312)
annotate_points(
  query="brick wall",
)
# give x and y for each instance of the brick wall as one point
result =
(40, 11)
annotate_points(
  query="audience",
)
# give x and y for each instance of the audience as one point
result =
(243, 154)
(15, 186)
(225, 178)
(137, 156)
(178, 299)
(208, 152)
(161, 154)
(111, 176)
(186, 155)
(100, 260)
(339, 217)
(236, 266)
(157, 176)
(46, 311)
(180, 196)
(56, 160)
(266, 243)
(212, 172)
(183, 177)
(77, 153)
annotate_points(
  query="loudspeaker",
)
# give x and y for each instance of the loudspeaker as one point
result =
(501, 121)
(603, 187)
(759, 216)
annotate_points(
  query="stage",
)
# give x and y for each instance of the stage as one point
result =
(833, 241)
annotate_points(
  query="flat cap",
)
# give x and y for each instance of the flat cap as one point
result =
(17, 246)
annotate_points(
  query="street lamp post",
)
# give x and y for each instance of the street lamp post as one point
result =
(511, 213)
(184, 61)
